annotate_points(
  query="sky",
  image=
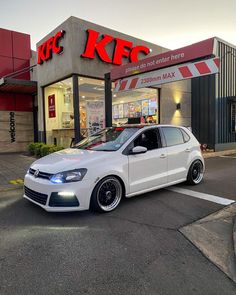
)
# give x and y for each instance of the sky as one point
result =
(168, 23)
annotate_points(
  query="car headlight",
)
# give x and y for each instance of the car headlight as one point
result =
(69, 176)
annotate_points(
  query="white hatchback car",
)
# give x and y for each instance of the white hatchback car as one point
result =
(115, 162)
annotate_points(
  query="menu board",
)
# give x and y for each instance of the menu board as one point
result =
(152, 106)
(121, 111)
(138, 109)
(135, 109)
(145, 107)
(126, 110)
(131, 110)
(116, 111)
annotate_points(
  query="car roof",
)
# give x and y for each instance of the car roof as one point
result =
(145, 125)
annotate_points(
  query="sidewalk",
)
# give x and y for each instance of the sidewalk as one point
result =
(13, 168)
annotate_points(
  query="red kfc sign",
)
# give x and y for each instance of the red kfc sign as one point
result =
(51, 106)
(49, 47)
(122, 48)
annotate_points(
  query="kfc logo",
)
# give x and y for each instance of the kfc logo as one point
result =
(122, 48)
(46, 50)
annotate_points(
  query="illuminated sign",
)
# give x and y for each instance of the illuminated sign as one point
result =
(122, 48)
(49, 47)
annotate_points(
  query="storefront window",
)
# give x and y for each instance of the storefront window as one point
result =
(138, 106)
(92, 105)
(233, 116)
(59, 113)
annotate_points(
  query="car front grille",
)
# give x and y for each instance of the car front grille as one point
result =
(36, 196)
(40, 174)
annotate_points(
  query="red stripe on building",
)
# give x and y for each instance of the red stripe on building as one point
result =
(203, 68)
(123, 85)
(133, 83)
(185, 72)
(217, 62)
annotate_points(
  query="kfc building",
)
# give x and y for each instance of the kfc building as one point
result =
(79, 90)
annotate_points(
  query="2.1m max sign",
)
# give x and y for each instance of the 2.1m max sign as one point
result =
(96, 44)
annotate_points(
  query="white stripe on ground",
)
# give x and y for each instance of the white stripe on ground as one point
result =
(207, 197)
(230, 157)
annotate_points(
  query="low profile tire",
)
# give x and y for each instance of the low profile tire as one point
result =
(195, 173)
(106, 195)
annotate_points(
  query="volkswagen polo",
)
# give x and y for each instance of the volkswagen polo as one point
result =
(114, 163)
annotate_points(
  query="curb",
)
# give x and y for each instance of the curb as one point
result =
(234, 236)
(215, 237)
(217, 154)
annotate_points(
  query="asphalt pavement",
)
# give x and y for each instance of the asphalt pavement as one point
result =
(137, 249)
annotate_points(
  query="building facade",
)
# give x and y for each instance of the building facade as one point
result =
(71, 90)
(16, 92)
(71, 101)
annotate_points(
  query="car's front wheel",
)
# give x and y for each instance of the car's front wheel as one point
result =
(195, 173)
(106, 195)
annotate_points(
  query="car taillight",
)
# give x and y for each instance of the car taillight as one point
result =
(203, 147)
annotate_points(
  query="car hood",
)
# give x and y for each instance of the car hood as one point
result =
(69, 159)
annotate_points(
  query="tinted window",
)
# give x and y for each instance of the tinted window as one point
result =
(172, 135)
(148, 139)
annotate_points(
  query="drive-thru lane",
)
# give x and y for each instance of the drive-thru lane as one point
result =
(137, 249)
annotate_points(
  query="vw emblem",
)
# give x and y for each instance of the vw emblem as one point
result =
(36, 173)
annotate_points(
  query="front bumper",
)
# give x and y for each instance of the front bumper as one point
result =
(44, 194)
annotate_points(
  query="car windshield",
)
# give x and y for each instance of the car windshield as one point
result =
(110, 139)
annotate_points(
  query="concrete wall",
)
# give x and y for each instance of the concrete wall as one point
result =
(171, 94)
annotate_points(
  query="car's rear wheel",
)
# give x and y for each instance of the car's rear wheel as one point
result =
(106, 195)
(195, 173)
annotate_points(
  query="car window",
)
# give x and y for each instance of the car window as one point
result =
(173, 136)
(185, 135)
(149, 139)
(109, 140)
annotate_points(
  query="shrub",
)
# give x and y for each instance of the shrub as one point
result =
(45, 149)
(39, 149)
(55, 148)
(31, 148)
(34, 148)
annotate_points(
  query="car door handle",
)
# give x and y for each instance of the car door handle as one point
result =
(163, 156)
(187, 150)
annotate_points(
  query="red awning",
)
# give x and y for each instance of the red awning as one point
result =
(18, 86)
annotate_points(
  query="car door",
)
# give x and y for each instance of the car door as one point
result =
(178, 151)
(147, 170)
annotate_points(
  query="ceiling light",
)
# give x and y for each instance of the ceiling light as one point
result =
(83, 96)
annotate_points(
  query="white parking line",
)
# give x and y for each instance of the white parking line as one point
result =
(230, 157)
(207, 197)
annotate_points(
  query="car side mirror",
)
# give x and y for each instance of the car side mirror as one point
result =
(138, 150)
